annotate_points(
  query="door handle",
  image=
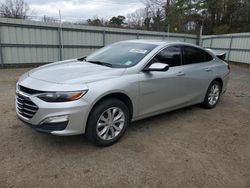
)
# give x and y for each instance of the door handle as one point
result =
(208, 69)
(180, 74)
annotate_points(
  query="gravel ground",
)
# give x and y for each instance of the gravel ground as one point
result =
(191, 147)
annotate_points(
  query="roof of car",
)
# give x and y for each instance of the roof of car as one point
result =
(155, 42)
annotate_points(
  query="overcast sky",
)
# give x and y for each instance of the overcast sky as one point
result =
(84, 9)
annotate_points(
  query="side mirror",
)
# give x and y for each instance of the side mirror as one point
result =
(157, 67)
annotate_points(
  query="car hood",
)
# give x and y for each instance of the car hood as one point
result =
(74, 72)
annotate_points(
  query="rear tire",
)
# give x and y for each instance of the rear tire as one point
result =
(213, 95)
(107, 122)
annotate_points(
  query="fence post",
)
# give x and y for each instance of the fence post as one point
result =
(1, 52)
(104, 37)
(230, 47)
(60, 43)
(211, 43)
(201, 41)
(137, 35)
(200, 36)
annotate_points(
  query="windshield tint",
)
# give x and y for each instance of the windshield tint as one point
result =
(122, 54)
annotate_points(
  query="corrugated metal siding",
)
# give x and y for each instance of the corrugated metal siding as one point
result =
(151, 37)
(25, 41)
(191, 40)
(29, 55)
(71, 53)
(16, 35)
(113, 37)
(236, 45)
(81, 38)
(221, 43)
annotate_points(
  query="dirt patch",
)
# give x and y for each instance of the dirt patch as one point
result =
(191, 147)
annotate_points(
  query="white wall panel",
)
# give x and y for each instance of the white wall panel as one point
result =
(25, 41)
(192, 41)
(111, 37)
(240, 45)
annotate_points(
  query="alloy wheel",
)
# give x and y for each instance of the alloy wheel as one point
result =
(110, 123)
(214, 94)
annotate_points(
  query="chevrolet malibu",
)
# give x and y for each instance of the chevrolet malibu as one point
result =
(99, 95)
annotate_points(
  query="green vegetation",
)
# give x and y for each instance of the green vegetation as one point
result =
(216, 16)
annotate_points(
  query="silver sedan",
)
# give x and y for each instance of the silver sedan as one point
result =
(99, 95)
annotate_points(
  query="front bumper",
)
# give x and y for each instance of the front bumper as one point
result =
(75, 112)
(48, 127)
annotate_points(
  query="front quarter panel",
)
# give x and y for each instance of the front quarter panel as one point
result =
(126, 84)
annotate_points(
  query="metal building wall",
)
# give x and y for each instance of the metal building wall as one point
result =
(236, 45)
(25, 41)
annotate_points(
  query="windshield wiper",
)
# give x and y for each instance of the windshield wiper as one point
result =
(95, 62)
(101, 63)
(82, 59)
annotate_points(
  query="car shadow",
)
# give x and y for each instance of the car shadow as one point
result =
(72, 143)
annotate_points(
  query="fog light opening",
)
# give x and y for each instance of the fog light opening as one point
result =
(55, 119)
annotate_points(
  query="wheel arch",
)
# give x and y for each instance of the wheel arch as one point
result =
(220, 81)
(118, 95)
(215, 79)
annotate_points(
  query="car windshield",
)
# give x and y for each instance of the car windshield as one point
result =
(123, 54)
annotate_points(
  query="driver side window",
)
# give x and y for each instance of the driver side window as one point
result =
(170, 55)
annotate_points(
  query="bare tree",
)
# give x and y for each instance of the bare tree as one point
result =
(96, 21)
(136, 19)
(14, 9)
(155, 5)
(50, 19)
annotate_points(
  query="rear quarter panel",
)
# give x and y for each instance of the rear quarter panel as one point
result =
(221, 71)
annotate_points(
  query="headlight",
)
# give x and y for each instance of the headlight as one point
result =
(61, 96)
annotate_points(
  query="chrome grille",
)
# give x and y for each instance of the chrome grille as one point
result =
(29, 91)
(25, 107)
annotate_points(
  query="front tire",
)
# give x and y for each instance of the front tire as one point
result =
(212, 95)
(107, 122)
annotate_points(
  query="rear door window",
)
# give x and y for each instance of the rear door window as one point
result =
(192, 55)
